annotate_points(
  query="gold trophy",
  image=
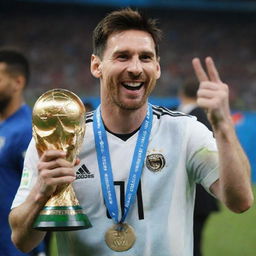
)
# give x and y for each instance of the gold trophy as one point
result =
(59, 123)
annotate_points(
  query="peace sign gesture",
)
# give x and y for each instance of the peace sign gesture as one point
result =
(213, 94)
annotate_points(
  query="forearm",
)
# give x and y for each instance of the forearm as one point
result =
(235, 178)
(21, 220)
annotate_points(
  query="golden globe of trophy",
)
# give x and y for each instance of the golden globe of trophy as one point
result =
(59, 123)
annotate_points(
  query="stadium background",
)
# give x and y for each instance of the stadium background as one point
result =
(55, 35)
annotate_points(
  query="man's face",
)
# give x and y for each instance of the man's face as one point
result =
(129, 69)
(6, 87)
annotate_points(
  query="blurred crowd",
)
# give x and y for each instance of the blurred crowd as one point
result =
(57, 42)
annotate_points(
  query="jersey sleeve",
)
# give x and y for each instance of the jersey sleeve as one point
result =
(29, 175)
(202, 155)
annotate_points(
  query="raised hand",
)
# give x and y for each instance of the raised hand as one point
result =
(213, 94)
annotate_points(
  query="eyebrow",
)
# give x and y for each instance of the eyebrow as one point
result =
(120, 52)
(150, 53)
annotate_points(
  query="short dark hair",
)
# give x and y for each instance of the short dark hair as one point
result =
(121, 20)
(17, 63)
(189, 88)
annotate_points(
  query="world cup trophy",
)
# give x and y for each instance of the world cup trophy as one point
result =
(59, 123)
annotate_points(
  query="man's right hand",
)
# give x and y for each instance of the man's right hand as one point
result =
(54, 170)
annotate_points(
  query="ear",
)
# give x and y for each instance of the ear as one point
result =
(95, 66)
(19, 82)
(158, 70)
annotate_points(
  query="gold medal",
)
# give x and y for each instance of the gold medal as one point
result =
(120, 237)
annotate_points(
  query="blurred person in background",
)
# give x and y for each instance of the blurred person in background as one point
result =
(15, 134)
(157, 155)
(205, 204)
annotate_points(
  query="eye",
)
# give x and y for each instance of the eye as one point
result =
(122, 57)
(145, 57)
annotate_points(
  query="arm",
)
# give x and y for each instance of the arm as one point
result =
(234, 185)
(53, 170)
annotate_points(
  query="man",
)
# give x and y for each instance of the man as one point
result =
(154, 216)
(15, 134)
(205, 204)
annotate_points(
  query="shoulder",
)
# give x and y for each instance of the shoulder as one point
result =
(177, 122)
(24, 117)
(171, 122)
(20, 126)
(162, 112)
(24, 112)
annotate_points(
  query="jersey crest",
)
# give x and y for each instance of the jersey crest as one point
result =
(155, 162)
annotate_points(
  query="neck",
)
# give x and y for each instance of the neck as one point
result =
(11, 108)
(123, 121)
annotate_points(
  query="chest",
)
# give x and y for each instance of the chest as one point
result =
(160, 168)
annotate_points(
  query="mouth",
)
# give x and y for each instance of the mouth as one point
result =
(132, 85)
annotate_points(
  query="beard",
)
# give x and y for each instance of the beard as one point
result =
(4, 102)
(113, 95)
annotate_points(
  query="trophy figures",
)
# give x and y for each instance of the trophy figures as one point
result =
(59, 123)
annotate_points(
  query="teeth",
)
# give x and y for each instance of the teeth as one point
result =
(133, 84)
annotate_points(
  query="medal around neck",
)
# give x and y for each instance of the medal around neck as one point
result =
(59, 123)
(120, 237)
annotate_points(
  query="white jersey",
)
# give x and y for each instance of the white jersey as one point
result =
(181, 152)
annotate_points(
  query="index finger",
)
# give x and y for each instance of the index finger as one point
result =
(199, 71)
(50, 155)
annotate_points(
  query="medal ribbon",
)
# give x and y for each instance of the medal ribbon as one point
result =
(104, 163)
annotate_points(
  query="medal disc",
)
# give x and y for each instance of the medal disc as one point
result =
(120, 237)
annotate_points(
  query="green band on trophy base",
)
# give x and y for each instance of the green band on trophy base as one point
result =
(61, 218)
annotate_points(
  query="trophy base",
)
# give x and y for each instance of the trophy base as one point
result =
(61, 218)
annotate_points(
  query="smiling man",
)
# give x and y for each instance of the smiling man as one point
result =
(144, 161)
(129, 69)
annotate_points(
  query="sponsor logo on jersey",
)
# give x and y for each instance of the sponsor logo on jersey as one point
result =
(84, 173)
(155, 162)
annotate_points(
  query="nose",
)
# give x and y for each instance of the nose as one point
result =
(135, 66)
